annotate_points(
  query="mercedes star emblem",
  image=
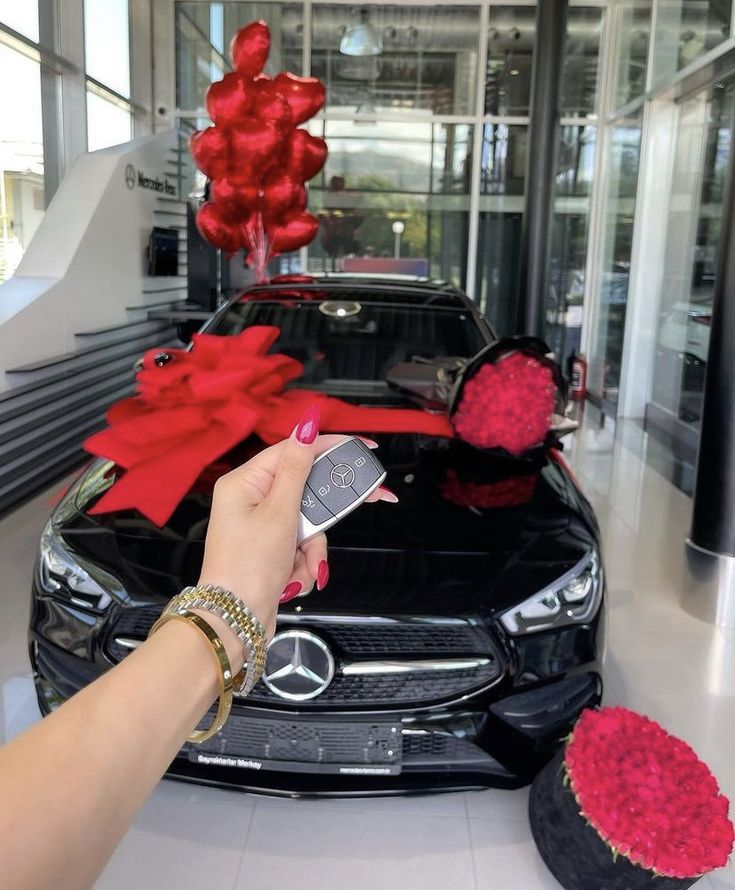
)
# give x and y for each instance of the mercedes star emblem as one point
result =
(130, 176)
(342, 475)
(299, 665)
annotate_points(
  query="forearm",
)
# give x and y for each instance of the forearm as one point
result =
(76, 779)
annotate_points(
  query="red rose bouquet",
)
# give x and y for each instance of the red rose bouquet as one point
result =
(626, 805)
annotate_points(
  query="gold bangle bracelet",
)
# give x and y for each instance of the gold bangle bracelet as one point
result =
(224, 703)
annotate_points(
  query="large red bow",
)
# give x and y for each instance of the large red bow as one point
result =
(201, 403)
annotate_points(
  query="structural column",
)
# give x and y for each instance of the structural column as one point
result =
(711, 550)
(548, 57)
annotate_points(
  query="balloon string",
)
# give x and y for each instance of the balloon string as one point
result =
(258, 248)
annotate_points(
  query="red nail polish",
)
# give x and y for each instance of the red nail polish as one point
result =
(308, 427)
(392, 497)
(322, 575)
(290, 591)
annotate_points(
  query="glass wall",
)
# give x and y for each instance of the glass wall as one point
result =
(415, 120)
(107, 65)
(377, 174)
(53, 56)
(203, 35)
(686, 30)
(21, 152)
(617, 243)
(632, 38)
(424, 58)
(703, 145)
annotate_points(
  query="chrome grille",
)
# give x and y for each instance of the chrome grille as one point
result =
(381, 663)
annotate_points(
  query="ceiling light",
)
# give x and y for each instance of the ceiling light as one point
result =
(361, 39)
(514, 72)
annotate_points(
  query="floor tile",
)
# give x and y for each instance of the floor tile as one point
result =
(185, 838)
(307, 848)
(505, 857)
(496, 803)
(722, 879)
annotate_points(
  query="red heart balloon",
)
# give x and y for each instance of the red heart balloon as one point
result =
(249, 48)
(270, 106)
(211, 152)
(254, 146)
(235, 200)
(281, 193)
(229, 99)
(305, 95)
(304, 155)
(297, 230)
(214, 228)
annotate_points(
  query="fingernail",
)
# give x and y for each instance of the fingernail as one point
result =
(307, 428)
(290, 591)
(387, 495)
(322, 575)
(369, 442)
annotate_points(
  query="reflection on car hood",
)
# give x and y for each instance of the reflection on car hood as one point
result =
(424, 555)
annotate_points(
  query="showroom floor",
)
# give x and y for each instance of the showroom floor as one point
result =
(661, 661)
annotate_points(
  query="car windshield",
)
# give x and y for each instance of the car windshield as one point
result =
(346, 345)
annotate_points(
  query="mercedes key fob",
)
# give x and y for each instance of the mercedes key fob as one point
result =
(339, 481)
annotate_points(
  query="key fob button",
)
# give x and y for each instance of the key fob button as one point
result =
(313, 508)
(324, 481)
(356, 455)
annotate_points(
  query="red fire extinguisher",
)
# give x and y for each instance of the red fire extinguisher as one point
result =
(579, 378)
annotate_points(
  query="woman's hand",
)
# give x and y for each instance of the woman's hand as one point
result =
(251, 541)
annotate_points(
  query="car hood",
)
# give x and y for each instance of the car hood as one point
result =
(470, 535)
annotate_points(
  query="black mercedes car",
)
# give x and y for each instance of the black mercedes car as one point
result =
(457, 640)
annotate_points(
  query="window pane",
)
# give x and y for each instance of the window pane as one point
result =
(503, 160)
(686, 30)
(376, 175)
(21, 157)
(703, 146)
(375, 58)
(633, 32)
(107, 43)
(565, 298)
(624, 156)
(581, 58)
(107, 123)
(498, 258)
(509, 59)
(203, 35)
(21, 16)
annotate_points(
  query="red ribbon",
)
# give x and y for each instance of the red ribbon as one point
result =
(202, 402)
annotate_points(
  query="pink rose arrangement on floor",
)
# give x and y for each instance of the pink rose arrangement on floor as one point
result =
(647, 794)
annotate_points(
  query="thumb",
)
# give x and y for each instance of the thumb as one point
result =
(295, 462)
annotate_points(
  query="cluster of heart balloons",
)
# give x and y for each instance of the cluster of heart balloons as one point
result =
(256, 156)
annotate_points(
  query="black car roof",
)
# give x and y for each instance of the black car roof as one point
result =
(415, 292)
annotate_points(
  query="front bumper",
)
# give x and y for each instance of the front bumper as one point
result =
(487, 740)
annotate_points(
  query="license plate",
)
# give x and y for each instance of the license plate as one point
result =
(354, 749)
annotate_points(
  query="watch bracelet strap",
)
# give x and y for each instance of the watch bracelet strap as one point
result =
(224, 703)
(223, 592)
(239, 617)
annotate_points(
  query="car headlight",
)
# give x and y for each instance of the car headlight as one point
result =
(61, 571)
(573, 599)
